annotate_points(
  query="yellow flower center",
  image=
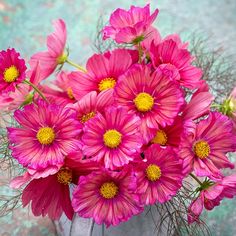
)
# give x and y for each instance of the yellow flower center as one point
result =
(64, 176)
(153, 172)
(144, 102)
(87, 116)
(11, 74)
(106, 83)
(201, 149)
(109, 190)
(46, 135)
(70, 93)
(160, 138)
(112, 138)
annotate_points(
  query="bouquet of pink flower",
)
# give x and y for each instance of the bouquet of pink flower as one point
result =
(124, 132)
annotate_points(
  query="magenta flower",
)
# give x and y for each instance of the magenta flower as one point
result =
(199, 104)
(169, 135)
(92, 103)
(175, 62)
(152, 97)
(112, 138)
(61, 92)
(107, 197)
(55, 55)
(204, 150)
(129, 26)
(159, 176)
(50, 194)
(12, 70)
(48, 132)
(103, 71)
(211, 196)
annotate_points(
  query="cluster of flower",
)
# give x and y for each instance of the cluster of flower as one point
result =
(122, 132)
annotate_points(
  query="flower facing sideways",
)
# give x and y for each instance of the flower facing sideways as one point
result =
(130, 26)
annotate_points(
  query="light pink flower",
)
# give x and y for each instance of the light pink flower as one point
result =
(48, 132)
(12, 70)
(204, 149)
(211, 196)
(152, 97)
(103, 71)
(112, 138)
(54, 56)
(159, 176)
(107, 197)
(129, 26)
(92, 103)
(175, 62)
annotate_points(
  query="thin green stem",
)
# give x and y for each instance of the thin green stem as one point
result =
(36, 89)
(215, 105)
(140, 52)
(76, 65)
(195, 178)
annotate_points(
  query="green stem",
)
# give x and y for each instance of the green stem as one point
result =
(215, 105)
(76, 65)
(194, 177)
(36, 89)
(140, 52)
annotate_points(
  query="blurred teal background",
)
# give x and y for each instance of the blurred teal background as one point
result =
(24, 25)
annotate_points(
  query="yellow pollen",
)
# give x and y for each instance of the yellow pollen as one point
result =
(70, 93)
(201, 149)
(106, 83)
(11, 74)
(87, 116)
(160, 138)
(64, 176)
(153, 172)
(112, 138)
(109, 190)
(144, 102)
(46, 135)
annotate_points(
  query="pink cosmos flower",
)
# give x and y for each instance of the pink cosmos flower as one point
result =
(92, 103)
(199, 104)
(152, 97)
(112, 138)
(159, 176)
(54, 56)
(48, 132)
(175, 62)
(60, 92)
(129, 26)
(204, 149)
(211, 197)
(12, 70)
(107, 197)
(50, 195)
(169, 135)
(15, 99)
(103, 71)
(22, 95)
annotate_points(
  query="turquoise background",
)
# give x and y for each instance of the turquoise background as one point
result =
(24, 25)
